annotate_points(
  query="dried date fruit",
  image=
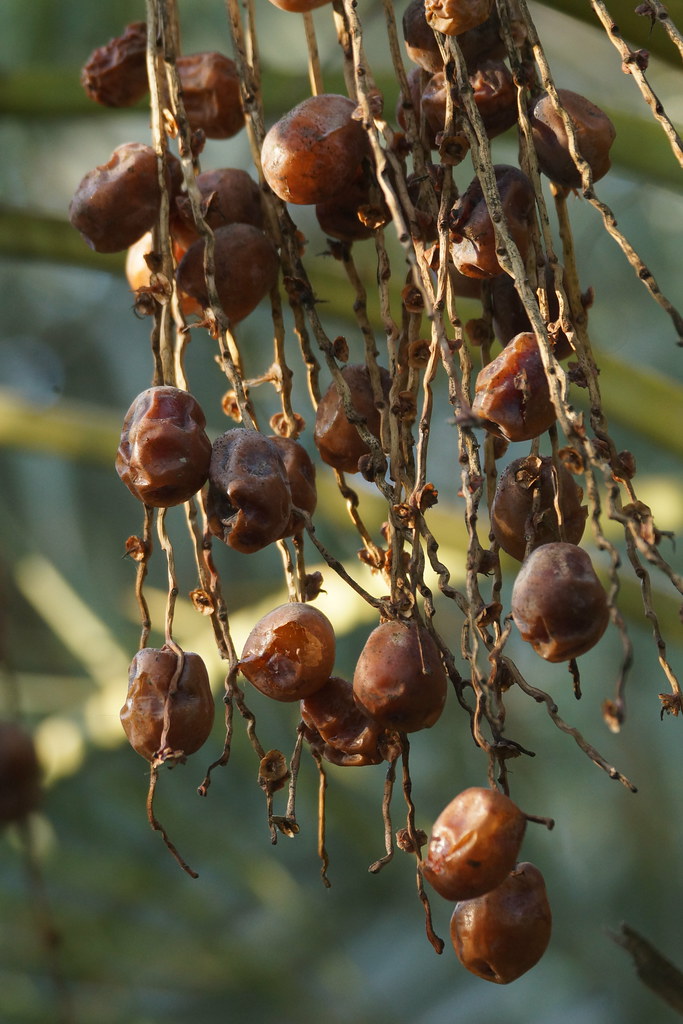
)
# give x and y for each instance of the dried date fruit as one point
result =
(211, 94)
(169, 708)
(511, 318)
(315, 151)
(164, 452)
(501, 935)
(558, 603)
(229, 196)
(115, 74)
(290, 652)
(300, 472)
(494, 94)
(335, 436)
(453, 17)
(399, 678)
(420, 41)
(332, 714)
(595, 134)
(512, 393)
(20, 775)
(474, 844)
(249, 502)
(355, 214)
(512, 509)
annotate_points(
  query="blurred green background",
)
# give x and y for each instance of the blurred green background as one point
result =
(257, 937)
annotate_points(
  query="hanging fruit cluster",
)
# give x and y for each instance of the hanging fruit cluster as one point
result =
(206, 246)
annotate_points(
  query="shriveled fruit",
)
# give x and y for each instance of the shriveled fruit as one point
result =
(512, 391)
(511, 318)
(336, 438)
(421, 44)
(399, 678)
(289, 653)
(501, 935)
(474, 844)
(246, 269)
(211, 93)
(332, 715)
(300, 471)
(453, 17)
(558, 603)
(20, 789)
(595, 134)
(163, 457)
(249, 500)
(512, 510)
(355, 214)
(229, 196)
(115, 74)
(169, 709)
(315, 151)
(494, 94)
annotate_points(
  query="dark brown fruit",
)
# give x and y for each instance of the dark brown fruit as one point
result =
(511, 318)
(399, 678)
(334, 719)
(115, 74)
(249, 502)
(512, 392)
(501, 935)
(117, 202)
(246, 269)
(289, 653)
(315, 151)
(512, 506)
(354, 215)
(20, 789)
(473, 240)
(163, 457)
(494, 94)
(474, 844)
(229, 196)
(595, 134)
(191, 707)
(300, 472)
(558, 603)
(453, 17)
(211, 94)
(421, 44)
(336, 438)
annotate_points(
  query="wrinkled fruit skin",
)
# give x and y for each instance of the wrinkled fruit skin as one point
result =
(315, 151)
(494, 94)
(246, 269)
(474, 844)
(342, 732)
(191, 703)
(513, 503)
(229, 196)
(558, 603)
(512, 392)
(290, 652)
(336, 438)
(163, 457)
(249, 501)
(20, 789)
(595, 134)
(356, 214)
(115, 74)
(501, 935)
(399, 678)
(510, 317)
(211, 94)
(300, 471)
(453, 17)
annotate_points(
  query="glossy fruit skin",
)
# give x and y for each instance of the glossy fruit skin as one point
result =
(399, 678)
(163, 457)
(501, 935)
(334, 720)
(595, 134)
(453, 17)
(512, 391)
(315, 151)
(290, 652)
(192, 708)
(246, 269)
(474, 844)
(473, 239)
(115, 74)
(336, 438)
(494, 92)
(117, 202)
(231, 196)
(558, 603)
(354, 215)
(20, 774)
(249, 501)
(300, 471)
(513, 503)
(211, 94)
(420, 41)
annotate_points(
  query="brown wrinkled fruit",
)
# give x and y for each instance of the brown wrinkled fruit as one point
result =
(512, 393)
(332, 714)
(473, 240)
(494, 94)
(453, 17)
(300, 471)
(474, 844)
(512, 505)
(315, 151)
(211, 94)
(191, 714)
(399, 678)
(20, 775)
(595, 134)
(249, 502)
(558, 603)
(355, 214)
(336, 438)
(290, 652)
(511, 318)
(246, 269)
(229, 196)
(501, 935)
(164, 452)
(420, 41)
(115, 74)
